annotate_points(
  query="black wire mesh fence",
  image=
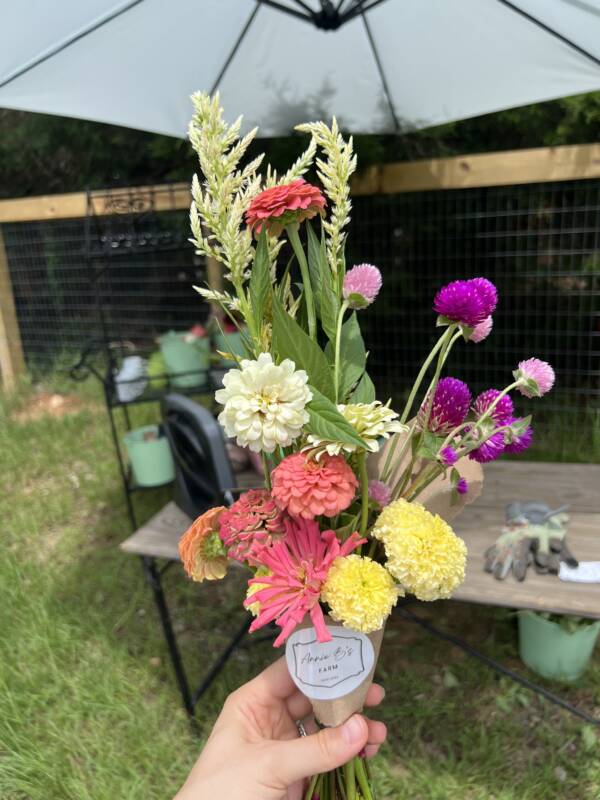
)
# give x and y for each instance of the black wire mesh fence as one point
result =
(132, 269)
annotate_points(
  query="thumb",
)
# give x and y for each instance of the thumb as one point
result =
(320, 752)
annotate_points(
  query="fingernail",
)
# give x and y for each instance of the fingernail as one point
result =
(352, 730)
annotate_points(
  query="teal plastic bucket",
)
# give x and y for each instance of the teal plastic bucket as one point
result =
(151, 460)
(229, 343)
(185, 357)
(552, 651)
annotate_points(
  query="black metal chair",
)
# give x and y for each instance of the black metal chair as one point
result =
(203, 479)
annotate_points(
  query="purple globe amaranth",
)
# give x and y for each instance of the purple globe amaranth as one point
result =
(536, 376)
(482, 330)
(462, 487)
(467, 302)
(380, 492)
(450, 406)
(502, 412)
(490, 450)
(448, 456)
(517, 442)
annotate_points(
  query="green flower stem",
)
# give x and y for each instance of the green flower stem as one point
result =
(266, 470)
(423, 480)
(411, 398)
(361, 777)
(387, 467)
(294, 239)
(338, 343)
(350, 780)
(340, 782)
(364, 492)
(312, 786)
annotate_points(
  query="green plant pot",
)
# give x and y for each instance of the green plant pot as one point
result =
(553, 652)
(157, 372)
(151, 461)
(185, 357)
(229, 343)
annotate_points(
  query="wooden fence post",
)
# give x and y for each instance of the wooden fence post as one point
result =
(12, 362)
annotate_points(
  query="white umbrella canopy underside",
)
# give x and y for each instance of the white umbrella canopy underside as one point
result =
(401, 64)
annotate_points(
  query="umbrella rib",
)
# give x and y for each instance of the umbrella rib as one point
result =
(235, 47)
(557, 35)
(286, 10)
(358, 8)
(384, 82)
(68, 42)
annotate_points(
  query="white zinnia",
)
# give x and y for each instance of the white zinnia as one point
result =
(264, 403)
(373, 422)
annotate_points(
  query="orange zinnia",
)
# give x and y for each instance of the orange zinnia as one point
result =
(201, 549)
(284, 205)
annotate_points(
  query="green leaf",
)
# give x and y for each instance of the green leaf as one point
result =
(326, 300)
(365, 390)
(290, 341)
(450, 680)
(317, 277)
(430, 445)
(326, 422)
(260, 280)
(330, 309)
(353, 356)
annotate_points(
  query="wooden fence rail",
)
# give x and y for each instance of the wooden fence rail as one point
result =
(514, 167)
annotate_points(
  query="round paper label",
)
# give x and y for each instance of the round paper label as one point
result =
(328, 670)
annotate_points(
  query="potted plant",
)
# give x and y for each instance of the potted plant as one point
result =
(557, 646)
(187, 356)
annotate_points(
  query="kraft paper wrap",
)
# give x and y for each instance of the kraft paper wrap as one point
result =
(437, 497)
(336, 712)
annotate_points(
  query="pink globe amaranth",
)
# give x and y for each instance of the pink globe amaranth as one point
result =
(297, 568)
(361, 285)
(307, 488)
(468, 302)
(538, 375)
(254, 521)
(380, 492)
(501, 412)
(451, 402)
(482, 330)
(282, 205)
(519, 442)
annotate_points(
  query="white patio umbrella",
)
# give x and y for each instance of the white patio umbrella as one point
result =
(376, 64)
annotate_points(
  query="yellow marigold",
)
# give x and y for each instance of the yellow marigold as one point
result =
(360, 593)
(256, 587)
(422, 550)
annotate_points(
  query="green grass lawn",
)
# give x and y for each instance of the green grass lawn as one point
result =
(88, 705)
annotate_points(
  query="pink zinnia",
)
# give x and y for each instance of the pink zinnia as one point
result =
(308, 488)
(298, 565)
(380, 493)
(538, 377)
(254, 521)
(501, 412)
(482, 330)
(283, 205)
(361, 285)
(451, 401)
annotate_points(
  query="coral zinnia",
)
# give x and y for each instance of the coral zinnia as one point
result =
(422, 550)
(361, 285)
(305, 487)
(451, 401)
(537, 377)
(360, 593)
(264, 403)
(298, 566)
(466, 302)
(254, 521)
(280, 206)
(201, 549)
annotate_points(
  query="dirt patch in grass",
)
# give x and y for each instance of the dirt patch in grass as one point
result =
(46, 404)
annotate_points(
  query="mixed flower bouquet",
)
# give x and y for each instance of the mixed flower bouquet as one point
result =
(345, 524)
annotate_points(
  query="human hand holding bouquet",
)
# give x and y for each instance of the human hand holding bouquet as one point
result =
(338, 532)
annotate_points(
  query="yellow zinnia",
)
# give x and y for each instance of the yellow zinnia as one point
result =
(360, 593)
(422, 550)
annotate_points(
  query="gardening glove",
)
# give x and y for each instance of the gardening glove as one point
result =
(511, 551)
